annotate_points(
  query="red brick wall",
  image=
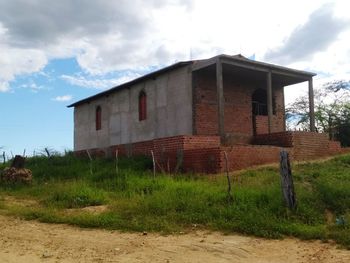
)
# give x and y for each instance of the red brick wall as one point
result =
(240, 157)
(306, 145)
(93, 152)
(335, 147)
(201, 154)
(284, 139)
(238, 120)
(204, 154)
(212, 160)
(167, 150)
(310, 145)
(262, 124)
(206, 160)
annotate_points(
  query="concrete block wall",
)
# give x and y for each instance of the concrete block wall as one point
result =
(85, 134)
(169, 112)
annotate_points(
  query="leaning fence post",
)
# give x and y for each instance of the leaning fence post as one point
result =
(154, 164)
(287, 180)
(88, 153)
(228, 178)
(47, 152)
(116, 161)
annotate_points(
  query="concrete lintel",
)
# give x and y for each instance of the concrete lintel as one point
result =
(290, 74)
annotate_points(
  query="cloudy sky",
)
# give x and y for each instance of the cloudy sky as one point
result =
(57, 52)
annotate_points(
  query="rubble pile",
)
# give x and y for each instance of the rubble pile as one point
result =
(16, 173)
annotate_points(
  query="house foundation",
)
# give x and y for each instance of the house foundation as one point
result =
(205, 154)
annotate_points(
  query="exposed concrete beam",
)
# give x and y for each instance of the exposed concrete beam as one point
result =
(290, 74)
(203, 63)
(220, 99)
(269, 100)
(311, 105)
(244, 65)
(268, 66)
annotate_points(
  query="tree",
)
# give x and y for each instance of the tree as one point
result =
(332, 111)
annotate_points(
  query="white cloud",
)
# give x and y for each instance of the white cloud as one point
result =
(114, 36)
(18, 61)
(130, 36)
(316, 35)
(98, 82)
(33, 87)
(63, 98)
(4, 86)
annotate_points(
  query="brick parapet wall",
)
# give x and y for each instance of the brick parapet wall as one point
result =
(283, 139)
(168, 151)
(205, 160)
(262, 126)
(310, 145)
(306, 145)
(244, 156)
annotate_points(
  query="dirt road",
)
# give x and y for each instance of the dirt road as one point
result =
(30, 241)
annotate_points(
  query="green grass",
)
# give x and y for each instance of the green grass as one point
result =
(172, 203)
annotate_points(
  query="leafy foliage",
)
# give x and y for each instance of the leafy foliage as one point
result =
(332, 111)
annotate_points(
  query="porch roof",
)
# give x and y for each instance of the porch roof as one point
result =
(255, 71)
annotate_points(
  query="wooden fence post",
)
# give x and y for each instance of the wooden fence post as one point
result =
(116, 161)
(18, 162)
(88, 153)
(230, 198)
(154, 165)
(287, 180)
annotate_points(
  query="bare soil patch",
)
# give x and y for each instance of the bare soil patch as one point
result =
(31, 241)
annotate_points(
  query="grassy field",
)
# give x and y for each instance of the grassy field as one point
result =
(133, 200)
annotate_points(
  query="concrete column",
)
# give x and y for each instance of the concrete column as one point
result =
(311, 105)
(220, 99)
(269, 100)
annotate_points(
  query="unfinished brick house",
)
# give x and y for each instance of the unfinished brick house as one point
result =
(191, 112)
